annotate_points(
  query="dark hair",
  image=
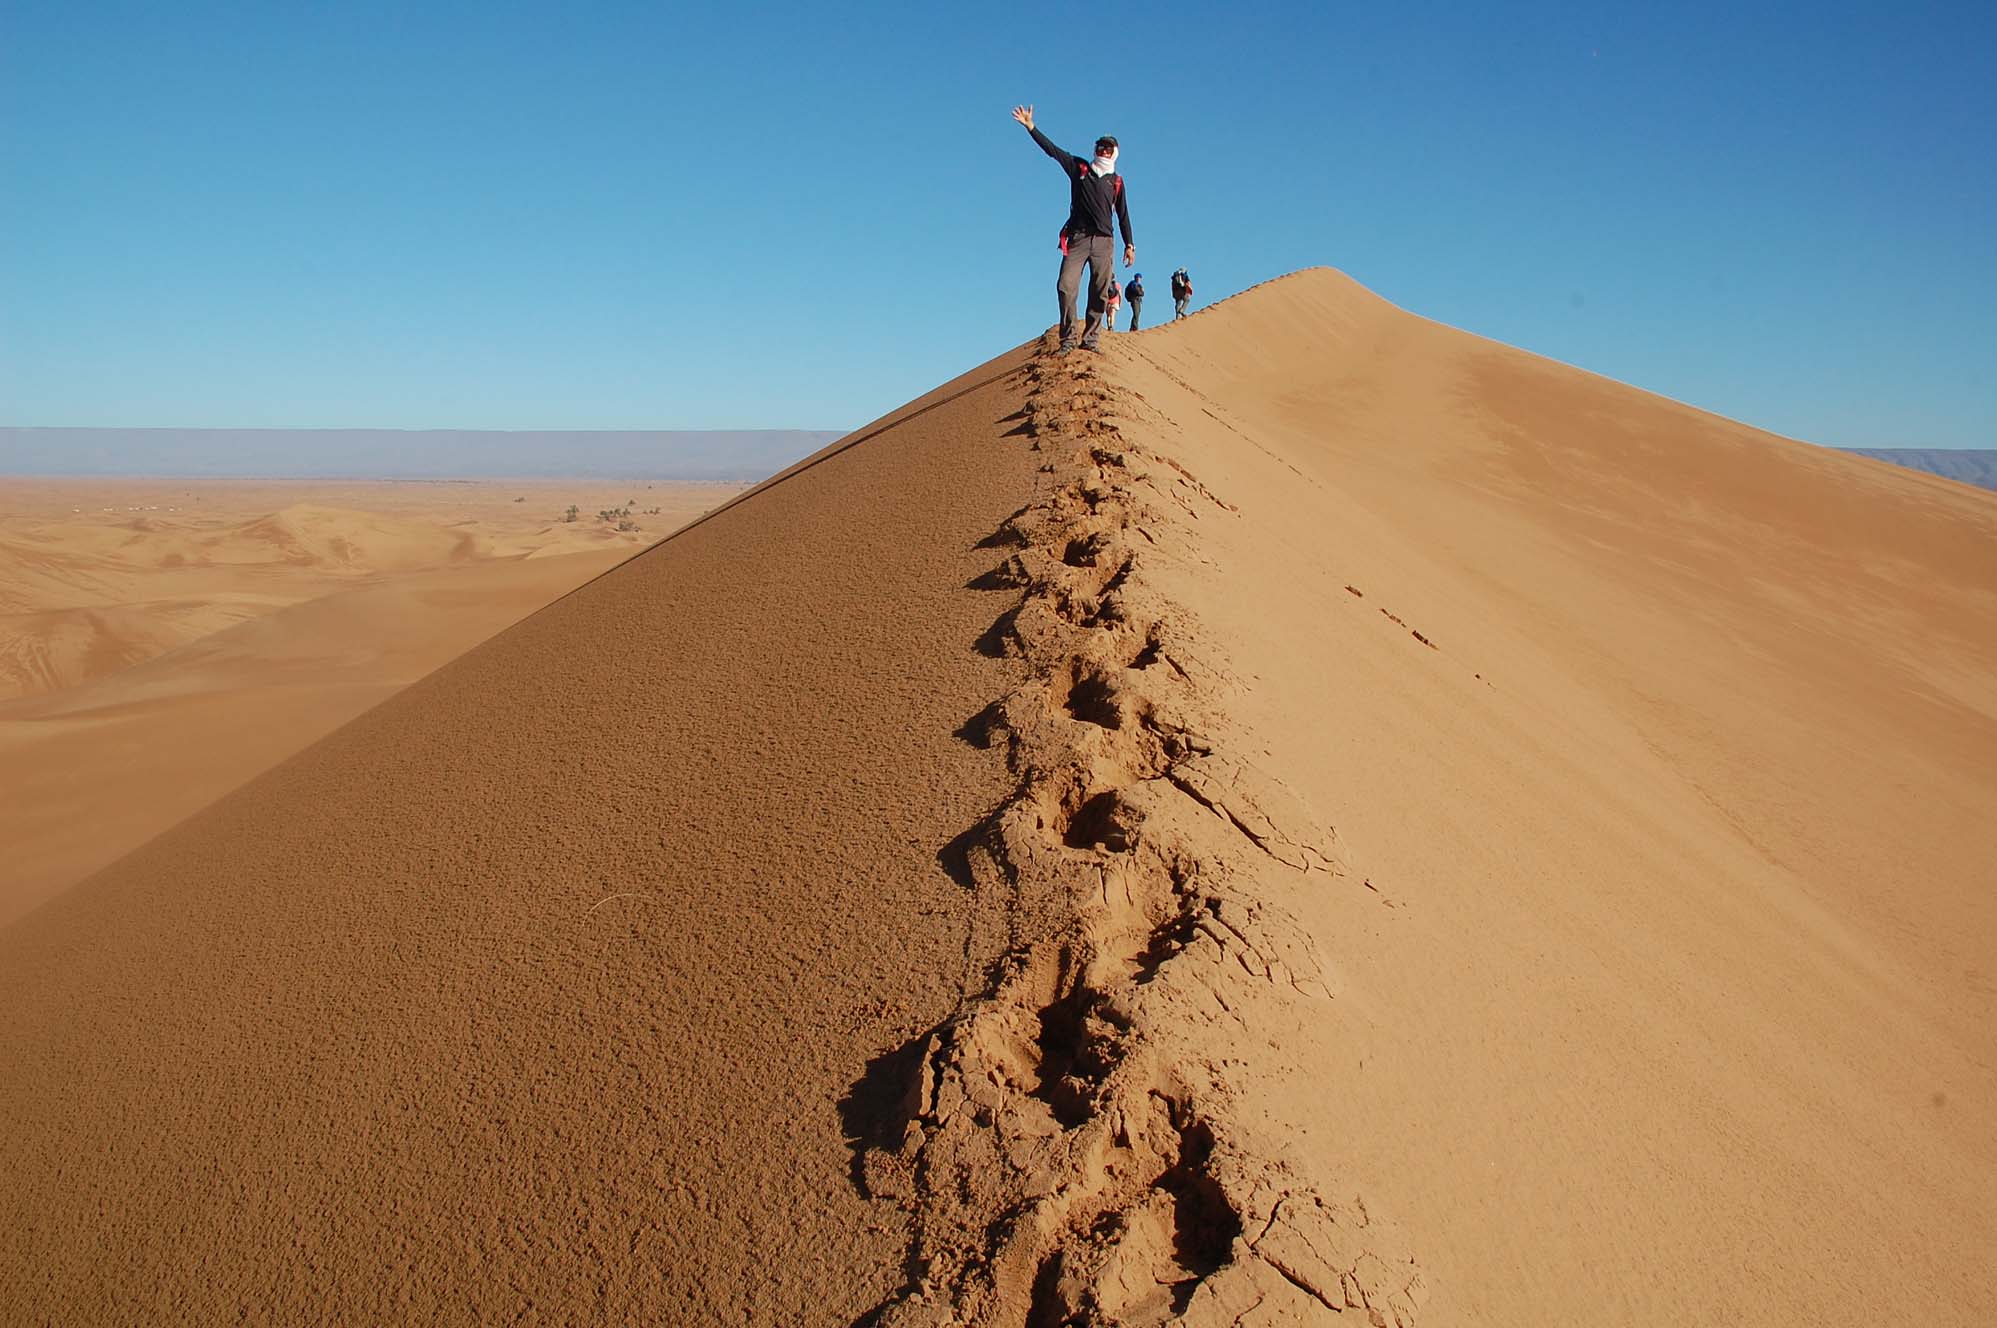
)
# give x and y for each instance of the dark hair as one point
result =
(1105, 142)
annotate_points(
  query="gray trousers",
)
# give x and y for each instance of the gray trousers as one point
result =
(1136, 307)
(1098, 251)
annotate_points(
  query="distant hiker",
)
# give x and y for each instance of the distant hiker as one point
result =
(1133, 294)
(1182, 293)
(1096, 206)
(1111, 305)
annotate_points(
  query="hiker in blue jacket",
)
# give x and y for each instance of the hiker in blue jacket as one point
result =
(1096, 206)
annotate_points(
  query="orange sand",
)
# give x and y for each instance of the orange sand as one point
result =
(160, 653)
(911, 894)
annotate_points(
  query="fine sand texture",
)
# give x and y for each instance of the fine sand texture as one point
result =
(168, 639)
(1307, 817)
(534, 991)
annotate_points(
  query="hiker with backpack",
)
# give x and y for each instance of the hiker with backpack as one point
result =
(1182, 293)
(1111, 305)
(1096, 207)
(1133, 295)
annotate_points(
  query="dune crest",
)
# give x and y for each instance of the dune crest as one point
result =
(1133, 858)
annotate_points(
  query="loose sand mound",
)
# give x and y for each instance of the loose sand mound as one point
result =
(52, 649)
(910, 895)
(362, 542)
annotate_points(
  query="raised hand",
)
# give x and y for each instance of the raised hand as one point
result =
(1023, 114)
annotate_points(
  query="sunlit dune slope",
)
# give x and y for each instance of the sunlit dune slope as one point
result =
(537, 985)
(1674, 745)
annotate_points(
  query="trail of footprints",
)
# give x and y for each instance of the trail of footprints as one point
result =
(1063, 1162)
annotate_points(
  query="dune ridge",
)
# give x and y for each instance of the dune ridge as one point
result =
(1308, 817)
(1668, 743)
(1135, 927)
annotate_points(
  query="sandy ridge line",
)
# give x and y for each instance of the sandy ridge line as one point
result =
(1170, 323)
(1068, 1144)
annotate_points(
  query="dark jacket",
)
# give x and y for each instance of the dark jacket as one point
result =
(1134, 292)
(1096, 201)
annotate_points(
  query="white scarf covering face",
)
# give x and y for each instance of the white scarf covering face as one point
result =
(1104, 165)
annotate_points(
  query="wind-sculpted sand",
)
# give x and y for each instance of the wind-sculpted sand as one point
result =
(164, 640)
(1308, 817)
(99, 574)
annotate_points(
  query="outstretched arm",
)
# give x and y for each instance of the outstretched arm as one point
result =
(1123, 216)
(1024, 114)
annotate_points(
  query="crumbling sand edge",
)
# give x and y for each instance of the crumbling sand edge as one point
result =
(1069, 1145)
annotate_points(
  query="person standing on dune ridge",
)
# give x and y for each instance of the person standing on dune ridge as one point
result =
(1096, 206)
(1133, 295)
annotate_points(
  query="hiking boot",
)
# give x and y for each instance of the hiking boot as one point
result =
(1090, 345)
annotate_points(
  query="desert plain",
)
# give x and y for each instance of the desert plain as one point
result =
(1307, 817)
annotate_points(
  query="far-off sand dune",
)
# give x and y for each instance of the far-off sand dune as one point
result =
(97, 574)
(1310, 816)
(161, 641)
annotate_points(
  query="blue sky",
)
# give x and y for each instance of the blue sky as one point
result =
(580, 216)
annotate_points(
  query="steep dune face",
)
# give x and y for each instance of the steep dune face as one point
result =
(535, 989)
(1672, 745)
(1309, 816)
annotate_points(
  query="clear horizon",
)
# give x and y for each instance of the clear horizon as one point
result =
(705, 455)
(639, 220)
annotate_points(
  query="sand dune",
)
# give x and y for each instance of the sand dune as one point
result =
(140, 708)
(91, 772)
(97, 575)
(1683, 1009)
(48, 650)
(911, 894)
